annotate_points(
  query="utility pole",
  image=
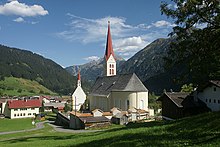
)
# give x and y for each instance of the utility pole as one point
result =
(75, 111)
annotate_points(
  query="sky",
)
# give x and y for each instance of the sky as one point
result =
(74, 32)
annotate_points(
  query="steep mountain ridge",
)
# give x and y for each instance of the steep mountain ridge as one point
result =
(149, 61)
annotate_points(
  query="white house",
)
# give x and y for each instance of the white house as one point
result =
(22, 108)
(79, 96)
(123, 91)
(210, 95)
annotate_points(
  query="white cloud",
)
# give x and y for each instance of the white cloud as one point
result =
(127, 39)
(93, 30)
(21, 9)
(19, 19)
(129, 44)
(92, 58)
(163, 23)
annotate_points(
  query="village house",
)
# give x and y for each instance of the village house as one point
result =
(84, 120)
(180, 104)
(22, 108)
(124, 91)
(209, 93)
(205, 98)
(49, 107)
(78, 96)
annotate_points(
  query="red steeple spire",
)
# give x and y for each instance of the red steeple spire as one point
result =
(79, 77)
(109, 48)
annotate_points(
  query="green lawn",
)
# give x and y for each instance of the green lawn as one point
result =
(20, 87)
(202, 130)
(15, 124)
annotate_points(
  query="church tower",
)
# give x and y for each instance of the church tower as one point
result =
(78, 79)
(110, 62)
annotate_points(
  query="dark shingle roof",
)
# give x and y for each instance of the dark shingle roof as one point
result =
(124, 82)
(177, 97)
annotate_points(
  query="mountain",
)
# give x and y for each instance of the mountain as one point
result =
(28, 65)
(149, 61)
(90, 71)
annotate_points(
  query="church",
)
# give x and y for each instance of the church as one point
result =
(124, 91)
(78, 96)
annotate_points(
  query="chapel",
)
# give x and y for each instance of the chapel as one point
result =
(78, 96)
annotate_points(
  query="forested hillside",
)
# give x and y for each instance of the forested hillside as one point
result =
(25, 64)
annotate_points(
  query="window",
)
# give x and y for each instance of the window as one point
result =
(128, 104)
(22, 109)
(14, 115)
(32, 108)
(15, 109)
(214, 88)
(23, 114)
(209, 100)
(112, 65)
(112, 71)
(29, 113)
(206, 100)
(219, 101)
(214, 101)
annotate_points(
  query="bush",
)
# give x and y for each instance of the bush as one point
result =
(19, 90)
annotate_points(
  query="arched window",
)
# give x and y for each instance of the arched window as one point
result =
(112, 71)
(112, 65)
(128, 104)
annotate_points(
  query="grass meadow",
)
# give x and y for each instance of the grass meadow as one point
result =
(15, 124)
(201, 130)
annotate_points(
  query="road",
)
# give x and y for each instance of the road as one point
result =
(38, 126)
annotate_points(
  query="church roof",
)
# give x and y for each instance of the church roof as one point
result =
(124, 82)
(109, 49)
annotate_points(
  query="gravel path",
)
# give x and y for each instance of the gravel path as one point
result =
(38, 126)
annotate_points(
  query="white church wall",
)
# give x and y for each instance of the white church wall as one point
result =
(98, 102)
(142, 100)
(120, 99)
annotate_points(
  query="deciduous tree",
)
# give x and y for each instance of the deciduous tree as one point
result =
(197, 33)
